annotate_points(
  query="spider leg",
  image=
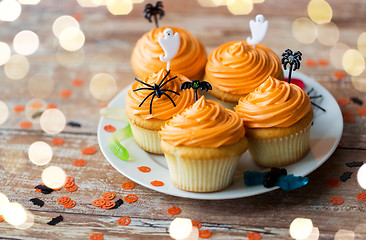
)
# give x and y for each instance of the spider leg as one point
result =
(143, 83)
(143, 88)
(312, 89)
(162, 80)
(169, 98)
(146, 98)
(167, 90)
(167, 81)
(151, 103)
(316, 105)
(313, 97)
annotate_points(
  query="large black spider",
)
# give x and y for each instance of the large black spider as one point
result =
(154, 11)
(195, 84)
(288, 57)
(157, 90)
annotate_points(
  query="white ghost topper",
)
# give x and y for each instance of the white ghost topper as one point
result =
(258, 28)
(170, 45)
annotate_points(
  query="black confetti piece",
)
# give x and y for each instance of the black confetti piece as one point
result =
(354, 164)
(357, 100)
(44, 189)
(345, 176)
(119, 202)
(73, 124)
(55, 220)
(37, 201)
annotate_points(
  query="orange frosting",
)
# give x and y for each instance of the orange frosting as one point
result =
(273, 104)
(190, 60)
(238, 68)
(162, 108)
(204, 124)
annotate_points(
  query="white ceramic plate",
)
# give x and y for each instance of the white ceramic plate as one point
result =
(325, 135)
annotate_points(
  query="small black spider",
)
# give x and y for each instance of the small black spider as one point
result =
(314, 97)
(288, 57)
(157, 90)
(154, 11)
(195, 84)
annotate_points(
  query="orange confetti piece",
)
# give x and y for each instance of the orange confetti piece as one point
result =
(88, 151)
(19, 108)
(79, 163)
(25, 125)
(51, 106)
(144, 169)
(254, 236)
(323, 62)
(157, 183)
(109, 195)
(57, 141)
(361, 112)
(348, 117)
(78, 16)
(128, 185)
(108, 204)
(361, 196)
(99, 202)
(131, 198)
(310, 63)
(77, 82)
(343, 102)
(66, 93)
(204, 233)
(36, 105)
(96, 236)
(109, 128)
(336, 200)
(2, 218)
(70, 204)
(73, 188)
(174, 211)
(196, 224)
(63, 200)
(123, 221)
(339, 75)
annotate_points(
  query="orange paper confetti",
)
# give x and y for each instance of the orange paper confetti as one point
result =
(79, 163)
(88, 151)
(19, 108)
(57, 141)
(204, 233)
(123, 221)
(66, 93)
(25, 125)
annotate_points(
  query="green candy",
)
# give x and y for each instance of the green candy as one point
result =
(115, 146)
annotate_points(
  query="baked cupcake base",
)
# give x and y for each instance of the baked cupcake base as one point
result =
(203, 169)
(146, 139)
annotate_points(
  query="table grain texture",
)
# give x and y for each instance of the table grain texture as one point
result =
(269, 214)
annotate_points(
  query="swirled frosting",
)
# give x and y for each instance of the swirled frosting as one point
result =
(190, 60)
(162, 108)
(204, 124)
(273, 104)
(238, 68)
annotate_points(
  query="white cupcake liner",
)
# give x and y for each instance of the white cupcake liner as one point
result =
(147, 139)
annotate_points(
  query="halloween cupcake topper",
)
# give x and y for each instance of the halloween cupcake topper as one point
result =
(170, 44)
(154, 11)
(195, 84)
(288, 57)
(259, 28)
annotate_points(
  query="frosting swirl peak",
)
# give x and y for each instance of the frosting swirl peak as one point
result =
(204, 124)
(273, 104)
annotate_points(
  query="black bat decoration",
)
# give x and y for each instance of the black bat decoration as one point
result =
(119, 202)
(354, 164)
(288, 57)
(73, 124)
(37, 201)
(345, 176)
(55, 220)
(195, 84)
(157, 90)
(154, 11)
(44, 189)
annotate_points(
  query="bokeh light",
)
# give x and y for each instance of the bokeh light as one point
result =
(26, 42)
(344, 235)
(304, 30)
(301, 228)
(103, 86)
(258, 1)
(4, 53)
(34, 109)
(314, 235)
(99, 2)
(239, 7)
(29, 2)
(40, 153)
(353, 62)
(54, 177)
(180, 228)
(320, 11)
(16, 215)
(70, 59)
(52, 121)
(336, 54)
(17, 67)
(4, 201)
(211, 3)
(103, 63)
(119, 7)
(137, 1)
(71, 39)
(63, 22)
(87, 3)
(4, 112)
(361, 43)
(361, 176)
(10, 10)
(328, 34)
(40, 86)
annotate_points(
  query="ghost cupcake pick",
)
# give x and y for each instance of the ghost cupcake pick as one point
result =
(170, 44)
(258, 29)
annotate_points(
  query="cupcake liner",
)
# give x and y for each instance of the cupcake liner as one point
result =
(196, 175)
(148, 140)
(277, 152)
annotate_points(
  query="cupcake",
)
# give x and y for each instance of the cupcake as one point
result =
(235, 69)
(148, 112)
(190, 60)
(277, 117)
(202, 146)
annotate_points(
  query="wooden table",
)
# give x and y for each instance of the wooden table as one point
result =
(269, 214)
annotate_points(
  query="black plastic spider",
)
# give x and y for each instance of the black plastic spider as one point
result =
(157, 90)
(288, 57)
(154, 11)
(195, 84)
(314, 97)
